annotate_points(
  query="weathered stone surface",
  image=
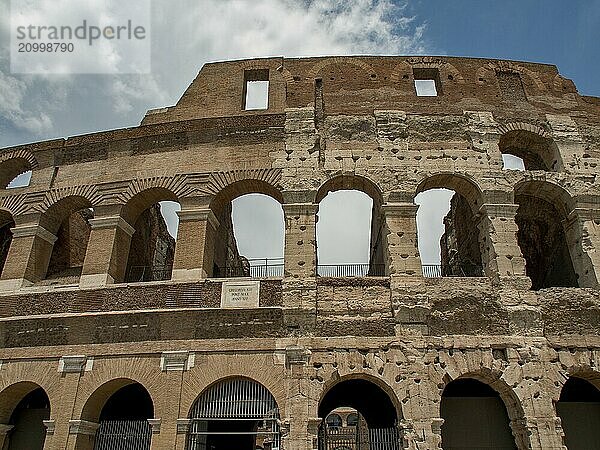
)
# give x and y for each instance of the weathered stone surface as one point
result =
(332, 123)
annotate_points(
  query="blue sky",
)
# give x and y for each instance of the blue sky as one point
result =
(188, 33)
(560, 32)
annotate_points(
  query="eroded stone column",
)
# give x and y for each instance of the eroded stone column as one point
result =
(195, 248)
(300, 253)
(28, 256)
(401, 239)
(538, 433)
(582, 230)
(107, 252)
(423, 433)
(501, 254)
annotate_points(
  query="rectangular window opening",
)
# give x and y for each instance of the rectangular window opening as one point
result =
(427, 82)
(256, 89)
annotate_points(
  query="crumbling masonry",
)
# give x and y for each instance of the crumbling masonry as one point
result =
(510, 331)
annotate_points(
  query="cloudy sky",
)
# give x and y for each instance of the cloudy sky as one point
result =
(187, 33)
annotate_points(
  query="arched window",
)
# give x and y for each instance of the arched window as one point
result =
(372, 404)
(333, 420)
(579, 411)
(121, 407)
(349, 228)
(249, 238)
(27, 406)
(535, 151)
(236, 413)
(544, 243)
(447, 224)
(68, 219)
(474, 417)
(153, 216)
(352, 420)
(16, 172)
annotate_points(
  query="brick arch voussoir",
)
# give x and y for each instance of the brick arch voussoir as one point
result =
(213, 370)
(142, 370)
(354, 61)
(523, 126)
(343, 373)
(178, 185)
(34, 375)
(20, 154)
(509, 66)
(219, 181)
(445, 68)
(88, 192)
(15, 205)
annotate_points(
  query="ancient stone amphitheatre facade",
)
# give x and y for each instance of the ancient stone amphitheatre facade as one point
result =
(114, 336)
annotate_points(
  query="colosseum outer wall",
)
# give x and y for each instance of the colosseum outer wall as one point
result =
(332, 123)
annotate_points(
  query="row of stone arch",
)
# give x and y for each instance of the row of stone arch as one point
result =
(535, 205)
(242, 413)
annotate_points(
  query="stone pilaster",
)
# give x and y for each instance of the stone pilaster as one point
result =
(312, 437)
(28, 256)
(194, 252)
(107, 252)
(422, 433)
(540, 433)
(82, 434)
(401, 239)
(501, 254)
(300, 254)
(582, 230)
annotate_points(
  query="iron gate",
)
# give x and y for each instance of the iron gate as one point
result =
(123, 435)
(240, 401)
(334, 438)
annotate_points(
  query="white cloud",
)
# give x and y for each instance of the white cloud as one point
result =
(186, 34)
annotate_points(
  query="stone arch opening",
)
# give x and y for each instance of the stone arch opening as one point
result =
(350, 228)
(24, 407)
(579, 410)
(248, 240)
(68, 220)
(152, 214)
(377, 416)
(546, 245)
(15, 172)
(448, 231)
(121, 409)
(6, 223)
(537, 152)
(475, 416)
(235, 413)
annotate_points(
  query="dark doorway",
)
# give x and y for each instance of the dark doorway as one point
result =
(474, 417)
(238, 414)
(29, 432)
(579, 411)
(377, 424)
(124, 420)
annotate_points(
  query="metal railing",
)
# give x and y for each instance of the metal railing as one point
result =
(432, 270)
(351, 270)
(435, 271)
(255, 268)
(136, 274)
